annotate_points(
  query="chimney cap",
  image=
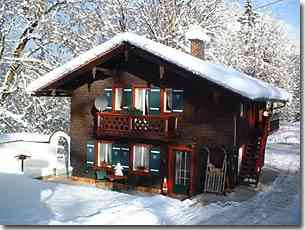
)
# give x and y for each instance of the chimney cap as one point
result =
(196, 32)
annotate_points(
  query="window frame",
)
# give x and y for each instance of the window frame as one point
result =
(99, 161)
(132, 162)
(180, 110)
(164, 101)
(114, 95)
(134, 87)
(110, 108)
(130, 89)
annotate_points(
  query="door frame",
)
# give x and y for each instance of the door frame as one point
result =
(171, 166)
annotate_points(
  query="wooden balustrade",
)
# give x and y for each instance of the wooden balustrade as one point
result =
(149, 127)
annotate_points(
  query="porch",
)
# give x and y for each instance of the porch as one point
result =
(152, 127)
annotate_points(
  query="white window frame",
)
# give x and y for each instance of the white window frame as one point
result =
(165, 100)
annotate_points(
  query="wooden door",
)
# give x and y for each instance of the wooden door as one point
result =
(182, 172)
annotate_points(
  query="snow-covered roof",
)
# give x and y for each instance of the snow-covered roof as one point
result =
(219, 74)
(197, 33)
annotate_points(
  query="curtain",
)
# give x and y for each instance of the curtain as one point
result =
(118, 98)
(141, 158)
(105, 153)
(169, 100)
(141, 100)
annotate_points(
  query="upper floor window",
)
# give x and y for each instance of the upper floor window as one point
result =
(154, 101)
(127, 98)
(118, 99)
(168, 100)
(108, 95)
(146, 100)
(141, 100)
(173, 100)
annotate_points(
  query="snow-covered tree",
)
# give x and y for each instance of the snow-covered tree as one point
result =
(22, 60)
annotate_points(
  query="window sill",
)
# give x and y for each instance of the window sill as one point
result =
(104, 167)
(139, 172)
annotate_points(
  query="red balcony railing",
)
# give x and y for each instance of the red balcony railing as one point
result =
(149, 127)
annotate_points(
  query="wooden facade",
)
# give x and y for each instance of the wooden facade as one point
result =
(175, 139)
(209, 116)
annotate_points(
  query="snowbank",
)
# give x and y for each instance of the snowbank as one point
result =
(31, 201)
(27, 201)
(42, 161)
(288, 133)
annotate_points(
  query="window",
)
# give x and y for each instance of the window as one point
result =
(90, 154)
(141, 158)
(122, 98)
(168, 100)
(177, 100)
(141, 100)
(120, 154)
(154, 101)
(173, 100)
(104, 155)
(108, 95)
(118, 99)
(127, 98)
(155, 160)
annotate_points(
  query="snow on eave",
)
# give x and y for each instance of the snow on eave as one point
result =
(226, 77)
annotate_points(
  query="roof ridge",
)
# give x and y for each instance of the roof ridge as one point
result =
(225, 76)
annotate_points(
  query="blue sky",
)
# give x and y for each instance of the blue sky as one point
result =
(287, 10)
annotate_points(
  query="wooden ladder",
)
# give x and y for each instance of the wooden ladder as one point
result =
(249, 172)
(254, 156)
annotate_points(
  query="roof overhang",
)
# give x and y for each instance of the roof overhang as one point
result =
(78, 71)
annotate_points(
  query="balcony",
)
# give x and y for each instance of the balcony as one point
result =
(153, 127)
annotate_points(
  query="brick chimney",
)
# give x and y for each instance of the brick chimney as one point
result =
(198, 39)
(197, 48)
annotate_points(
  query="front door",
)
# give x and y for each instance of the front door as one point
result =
(182, 171)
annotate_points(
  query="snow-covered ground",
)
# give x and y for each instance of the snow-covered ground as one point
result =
(276, 200)
(43, 159)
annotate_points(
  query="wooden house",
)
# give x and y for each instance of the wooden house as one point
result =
(172, 120)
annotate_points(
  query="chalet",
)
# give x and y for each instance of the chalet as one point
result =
(174, 122)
